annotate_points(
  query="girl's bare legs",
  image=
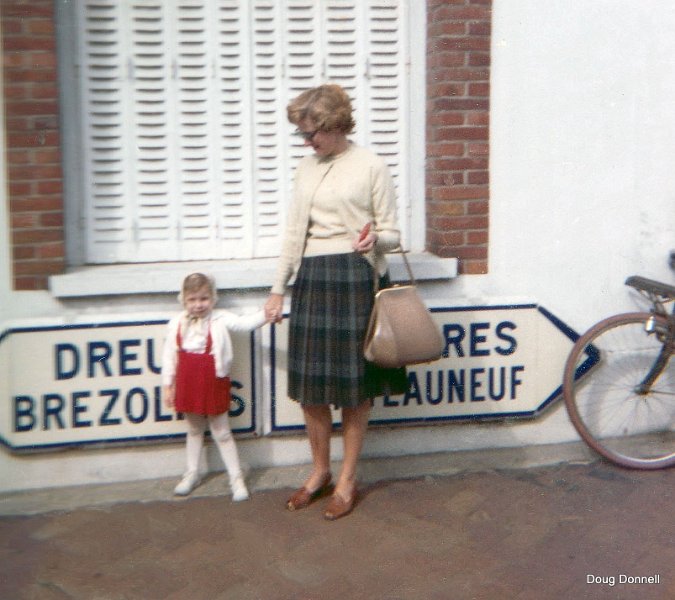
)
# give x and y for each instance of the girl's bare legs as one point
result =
(354, 426)
(319, 428)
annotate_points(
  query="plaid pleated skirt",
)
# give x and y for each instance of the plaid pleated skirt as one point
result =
(330, 307)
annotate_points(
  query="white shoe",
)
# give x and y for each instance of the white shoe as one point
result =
(239, 491)
(189, 482)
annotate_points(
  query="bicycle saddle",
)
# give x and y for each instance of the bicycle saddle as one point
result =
(650, 285)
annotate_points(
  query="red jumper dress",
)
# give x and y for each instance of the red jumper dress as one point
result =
(198, 389)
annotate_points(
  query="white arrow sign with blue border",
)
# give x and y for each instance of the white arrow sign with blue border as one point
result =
(500, 362)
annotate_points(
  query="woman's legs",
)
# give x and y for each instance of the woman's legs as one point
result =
(319, 428)
(354, 426)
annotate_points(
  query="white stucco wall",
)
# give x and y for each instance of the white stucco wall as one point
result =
(582, 196)
(583, 130)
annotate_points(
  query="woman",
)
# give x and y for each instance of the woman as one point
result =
(342, 220)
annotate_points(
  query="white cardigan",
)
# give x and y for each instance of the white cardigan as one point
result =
(364, 192)
(221, 322)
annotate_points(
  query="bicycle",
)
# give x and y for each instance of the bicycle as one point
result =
(619, 383)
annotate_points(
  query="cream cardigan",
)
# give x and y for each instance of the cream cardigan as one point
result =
(364, 192)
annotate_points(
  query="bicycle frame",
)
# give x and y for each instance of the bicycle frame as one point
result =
(667, 338)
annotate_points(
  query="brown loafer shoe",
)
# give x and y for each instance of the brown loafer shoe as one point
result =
(339, 507)
(302, 497)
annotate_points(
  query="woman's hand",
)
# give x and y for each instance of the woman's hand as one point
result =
(365, 244)
(274, 308)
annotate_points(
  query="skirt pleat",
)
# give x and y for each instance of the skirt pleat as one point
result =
(330, 308)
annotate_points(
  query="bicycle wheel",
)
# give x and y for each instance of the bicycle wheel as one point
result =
(603, 372)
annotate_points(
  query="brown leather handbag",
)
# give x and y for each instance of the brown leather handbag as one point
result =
(401, 331)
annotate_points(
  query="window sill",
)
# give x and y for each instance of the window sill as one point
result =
(162, 278)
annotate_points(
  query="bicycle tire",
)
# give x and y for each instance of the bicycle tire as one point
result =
(630, 429)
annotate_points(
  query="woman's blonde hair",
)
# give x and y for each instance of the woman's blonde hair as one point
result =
(195, 282)
(327, 106)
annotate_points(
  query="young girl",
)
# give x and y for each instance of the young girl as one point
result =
(195, 367)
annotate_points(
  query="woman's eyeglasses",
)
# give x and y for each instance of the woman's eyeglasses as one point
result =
(307, 136)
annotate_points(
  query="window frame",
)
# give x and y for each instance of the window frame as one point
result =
(413, 18)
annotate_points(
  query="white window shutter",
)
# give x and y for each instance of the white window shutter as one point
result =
(234, 167)
(343, 55)
(193, 110)
(188, 153)
(104, 173)
(269, 196)
(361, 46)
(386, 93)
(152, 166)
(302, 61)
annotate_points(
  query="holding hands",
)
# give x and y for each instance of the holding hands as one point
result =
(274, 308)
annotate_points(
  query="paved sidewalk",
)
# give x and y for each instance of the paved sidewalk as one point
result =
(468, 530)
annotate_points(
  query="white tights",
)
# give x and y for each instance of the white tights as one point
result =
(219, 425)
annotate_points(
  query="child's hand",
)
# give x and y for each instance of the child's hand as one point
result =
(169, 393)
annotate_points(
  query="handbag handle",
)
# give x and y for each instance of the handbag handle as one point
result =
(411, 277)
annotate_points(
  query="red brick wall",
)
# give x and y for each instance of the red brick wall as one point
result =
(457, 176)
(458, 93)
(33, 145)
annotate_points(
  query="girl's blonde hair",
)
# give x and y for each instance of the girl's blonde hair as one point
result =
(327, 106)
(195, 282)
